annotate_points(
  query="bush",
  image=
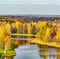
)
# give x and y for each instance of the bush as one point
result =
(14, 46)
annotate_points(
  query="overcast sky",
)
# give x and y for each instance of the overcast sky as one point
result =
(17, 7)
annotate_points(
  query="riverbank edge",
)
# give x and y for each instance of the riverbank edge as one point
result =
(8, 53)
(41, 42)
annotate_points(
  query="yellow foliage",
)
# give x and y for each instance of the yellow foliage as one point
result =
(41, 24)
(29, 27)
(38, 25)
(53, 24)
(17, 24)
(8, 28)
(47, 33)
(58, 34)
(8, 42)
(13, 25)
(2, 32)
(58, 37)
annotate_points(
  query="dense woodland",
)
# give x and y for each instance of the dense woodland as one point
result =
(28, 18)
(46, 30)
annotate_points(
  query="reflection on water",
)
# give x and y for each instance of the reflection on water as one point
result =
(33, 52)
(36, 52)
(27, 52)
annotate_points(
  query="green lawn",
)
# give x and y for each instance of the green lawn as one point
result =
(8, 53)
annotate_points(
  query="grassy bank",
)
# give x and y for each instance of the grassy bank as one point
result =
(8, 53)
